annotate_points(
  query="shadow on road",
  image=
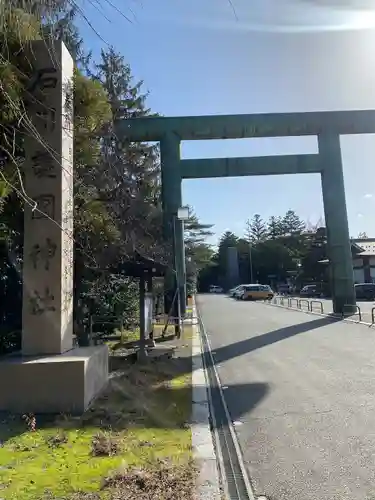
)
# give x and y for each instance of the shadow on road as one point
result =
(236, 349)
(241, 399)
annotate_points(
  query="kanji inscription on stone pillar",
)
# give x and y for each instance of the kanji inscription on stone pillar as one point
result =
(47, 317)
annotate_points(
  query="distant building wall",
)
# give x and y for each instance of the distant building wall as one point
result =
(233, 276)
(363, 252)
(364, 261)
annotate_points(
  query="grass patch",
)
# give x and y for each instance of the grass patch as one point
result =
(159, 333)
(136, 432)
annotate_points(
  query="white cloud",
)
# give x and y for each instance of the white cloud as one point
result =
(368, 195)
(359, 215)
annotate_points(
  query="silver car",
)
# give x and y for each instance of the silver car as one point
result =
(232, 291)
(238, 291)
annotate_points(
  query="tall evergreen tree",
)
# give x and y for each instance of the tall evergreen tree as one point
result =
(117, 207)
(195, 231)
(130, 176)
(197, 252)
(275, 229)
(292, 223)
(228, 239)
(256, 229)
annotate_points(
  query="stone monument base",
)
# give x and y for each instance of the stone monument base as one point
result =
(65, 383)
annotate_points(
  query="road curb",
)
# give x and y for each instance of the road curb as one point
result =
(242, 467)
(208, 484)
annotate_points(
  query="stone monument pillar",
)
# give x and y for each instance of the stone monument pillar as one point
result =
(47, 315)
(50, 375)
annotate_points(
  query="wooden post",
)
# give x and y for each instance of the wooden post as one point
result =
(142, 353)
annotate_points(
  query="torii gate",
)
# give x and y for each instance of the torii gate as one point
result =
(327, 126)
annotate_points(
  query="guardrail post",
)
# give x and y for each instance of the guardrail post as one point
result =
(305, 301)
(317, 302)
(291, 301)
(358, 310)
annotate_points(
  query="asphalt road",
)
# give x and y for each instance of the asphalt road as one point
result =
(301, 390)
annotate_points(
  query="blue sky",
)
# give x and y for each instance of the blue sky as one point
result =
(212, 57)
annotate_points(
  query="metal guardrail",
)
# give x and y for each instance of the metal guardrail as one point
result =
(358, 311)
(304, 301)
(317, 302)
(275, 300)
(290, 301)
(311, 305)
(295, 301)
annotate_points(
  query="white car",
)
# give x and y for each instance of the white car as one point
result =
(233, 291)
(237, 294)
(216, 289)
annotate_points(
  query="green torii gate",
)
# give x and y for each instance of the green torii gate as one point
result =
(327, 126)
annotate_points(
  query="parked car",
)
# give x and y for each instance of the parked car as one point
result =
(365, 291)
(232, 291)
(256, 292)
(284, 289)
(216, 289)
(311, 291)
(238, 291)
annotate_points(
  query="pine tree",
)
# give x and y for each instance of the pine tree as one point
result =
(60, 26)
(292, 224)
(275, 229)
(228, 239)
(195, 231)
(256, 229)
(118, 193)
(130, 174)
(198, 252)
